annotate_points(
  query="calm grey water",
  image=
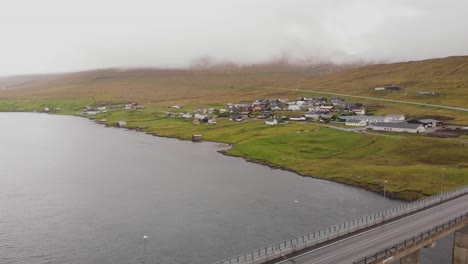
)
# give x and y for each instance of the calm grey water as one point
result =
(72, 191)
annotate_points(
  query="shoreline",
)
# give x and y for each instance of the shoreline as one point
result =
(389, 194)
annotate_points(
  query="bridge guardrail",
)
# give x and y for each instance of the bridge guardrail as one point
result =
(282, 248)
(410, 241)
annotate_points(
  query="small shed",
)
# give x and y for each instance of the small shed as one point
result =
(197, 138)
(121, 124)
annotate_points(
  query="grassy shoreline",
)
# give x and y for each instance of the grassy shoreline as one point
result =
(354, 159)
(411, 164)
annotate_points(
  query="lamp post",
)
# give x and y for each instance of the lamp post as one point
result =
(442, 180)
(384, 191)
(145, 237)
(295, 216)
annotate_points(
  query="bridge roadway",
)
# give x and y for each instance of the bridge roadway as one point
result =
(354, 247)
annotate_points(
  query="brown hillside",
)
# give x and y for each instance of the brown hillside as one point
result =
(447, 78)
(155, 85)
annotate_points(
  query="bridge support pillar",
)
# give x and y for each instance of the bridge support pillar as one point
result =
(412, 258)
(460, 246)
(431, 245)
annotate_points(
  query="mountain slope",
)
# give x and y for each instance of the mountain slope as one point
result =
(446, 77)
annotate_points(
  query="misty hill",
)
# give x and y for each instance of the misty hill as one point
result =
(438, 81)
(207, 83)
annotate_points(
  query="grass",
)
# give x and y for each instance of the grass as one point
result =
(411, 164)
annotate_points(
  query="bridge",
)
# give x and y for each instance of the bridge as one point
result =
(382, 237)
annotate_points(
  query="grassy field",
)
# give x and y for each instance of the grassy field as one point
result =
(412, 164)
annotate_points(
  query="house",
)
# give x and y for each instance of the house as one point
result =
(294, 107)
(359, 111)
(213, 111)
(276, 108)
(297, 118)
(46, 109)
(356, 122)
(175, 107)
(236, 118)
(121, 124)
(133, 106)
(57, 108)
(327, 107)
(185, 115)
(313, 115)
(399, 127)
(212, 121)
(395, 118)
(199, 116)
(101, 108)
(271, 121)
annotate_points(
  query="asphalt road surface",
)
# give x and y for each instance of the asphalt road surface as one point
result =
(355, 247)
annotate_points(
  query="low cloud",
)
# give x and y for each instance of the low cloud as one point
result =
(59, 36)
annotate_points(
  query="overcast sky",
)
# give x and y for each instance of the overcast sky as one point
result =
(69, 35)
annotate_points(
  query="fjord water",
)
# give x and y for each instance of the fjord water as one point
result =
(72, 191)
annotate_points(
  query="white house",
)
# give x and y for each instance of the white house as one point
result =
(101, 108)
(399, 127)
(294, 107)
(326, 107)
(185, 115)
(271, 121)
(212, 121)
(359, 111)
(199, 116)
(356, 122)
(313, 115)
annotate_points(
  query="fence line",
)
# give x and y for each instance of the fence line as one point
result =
(388, 251)
(285, 247)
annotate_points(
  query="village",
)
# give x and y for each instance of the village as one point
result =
(333, 112)
(317, 109)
